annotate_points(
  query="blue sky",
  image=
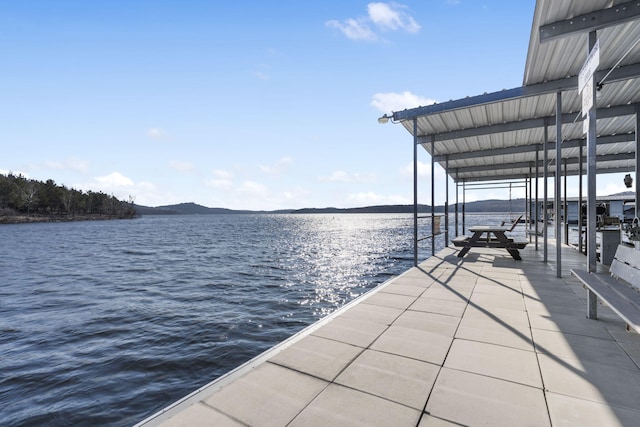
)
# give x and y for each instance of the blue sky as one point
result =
(242, 104)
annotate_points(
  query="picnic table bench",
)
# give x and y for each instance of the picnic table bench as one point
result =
(620, 289)
(491, 236)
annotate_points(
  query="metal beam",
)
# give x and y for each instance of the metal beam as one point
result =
(592, 21)
(567, 118)
(520, 175)
(531, 148)
(499, 183)
(495, 166)
(568, 83)
(623, 162)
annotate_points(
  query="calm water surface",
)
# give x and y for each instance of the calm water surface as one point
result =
(106, 322)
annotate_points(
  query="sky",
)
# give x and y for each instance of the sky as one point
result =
(245, 104)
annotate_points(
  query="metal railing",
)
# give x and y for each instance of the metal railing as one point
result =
(435, 226)
(436, 230)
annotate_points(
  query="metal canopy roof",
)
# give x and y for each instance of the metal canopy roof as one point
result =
(501, 135)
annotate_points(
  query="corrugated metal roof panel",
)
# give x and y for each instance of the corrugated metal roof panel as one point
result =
(549, 60)
(496, 136)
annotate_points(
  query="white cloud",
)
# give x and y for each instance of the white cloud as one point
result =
(222, 181)
(223, 174)
(342, 176)
(143, 192)
(354, 29)
(424, 170)
(115, 183)
(277, 167)
(156, 133)
(114, 179)
(261, 75)
(262, 71)
(366, 197)
(336, 176)
(391, 16)
(380, 16)
(393, 101)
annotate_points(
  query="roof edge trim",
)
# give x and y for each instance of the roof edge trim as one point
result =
(552, 86)
(592, 21)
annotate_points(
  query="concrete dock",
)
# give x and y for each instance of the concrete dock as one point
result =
(483, 340)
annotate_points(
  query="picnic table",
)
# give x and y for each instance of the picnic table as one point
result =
(490, 236)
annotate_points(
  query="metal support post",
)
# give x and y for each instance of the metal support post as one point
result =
(446, 204)
(637, 178)
(464, 195)
(580, 222)
(456, 219)
(536, 204)
(591, 174)
(557, 192)
(415, 192)
(565, 206)
(530, 202)
(433, 198)
(526, 201)
(545, 200)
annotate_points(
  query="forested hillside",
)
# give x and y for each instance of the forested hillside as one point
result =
(24, 200)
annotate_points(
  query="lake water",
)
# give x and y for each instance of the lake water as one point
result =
(106, 322)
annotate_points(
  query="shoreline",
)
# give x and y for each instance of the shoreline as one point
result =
(28, 219)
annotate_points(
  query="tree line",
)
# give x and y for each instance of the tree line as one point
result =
(21, 196)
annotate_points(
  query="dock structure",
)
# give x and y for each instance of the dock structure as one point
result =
(480, 340)
(577, 114)
(485, 339)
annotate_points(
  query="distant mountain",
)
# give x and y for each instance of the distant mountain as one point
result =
(366, 209)
(493, 205)
(183, 209)
(148, 210)
(516, 206)
(194, 209)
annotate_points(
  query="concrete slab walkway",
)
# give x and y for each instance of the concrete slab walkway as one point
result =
(484, 340)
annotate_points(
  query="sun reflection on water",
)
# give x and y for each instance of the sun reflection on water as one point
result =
(333, 258)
